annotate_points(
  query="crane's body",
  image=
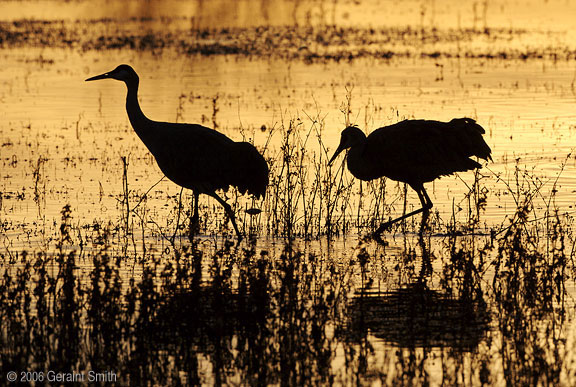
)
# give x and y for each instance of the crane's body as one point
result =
(181, 153)
(414, 152)
(194, 156)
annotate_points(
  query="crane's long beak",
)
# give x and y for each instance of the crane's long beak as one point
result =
(101, 76)
(338, 151)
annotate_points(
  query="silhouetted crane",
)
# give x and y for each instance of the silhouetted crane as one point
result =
(414, 152)
(194, 156)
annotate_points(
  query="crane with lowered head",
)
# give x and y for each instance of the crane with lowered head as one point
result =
(414, 152)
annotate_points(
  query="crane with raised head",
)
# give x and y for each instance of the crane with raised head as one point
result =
(414, 152)
(194, 156)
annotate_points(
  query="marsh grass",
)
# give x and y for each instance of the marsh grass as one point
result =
(304, 194)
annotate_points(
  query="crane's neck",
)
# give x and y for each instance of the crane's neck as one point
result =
(357, 163)
(139, 121)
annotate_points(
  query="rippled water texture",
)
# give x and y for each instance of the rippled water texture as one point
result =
(98, 272)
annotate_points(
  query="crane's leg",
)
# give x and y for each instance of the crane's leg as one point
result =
(230, 213)
(195, 219)
(426, 206)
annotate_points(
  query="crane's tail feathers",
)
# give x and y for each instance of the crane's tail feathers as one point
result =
(474, 164)
(252, 170)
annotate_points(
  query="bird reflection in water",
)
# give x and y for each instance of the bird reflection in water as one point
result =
(416, 316)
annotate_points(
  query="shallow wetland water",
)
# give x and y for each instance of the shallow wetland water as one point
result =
(97, 272)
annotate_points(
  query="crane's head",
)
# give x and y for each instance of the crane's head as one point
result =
(123, 73)
(351, 136)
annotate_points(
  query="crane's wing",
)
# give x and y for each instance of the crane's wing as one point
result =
(205, 160)
(417, 151)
